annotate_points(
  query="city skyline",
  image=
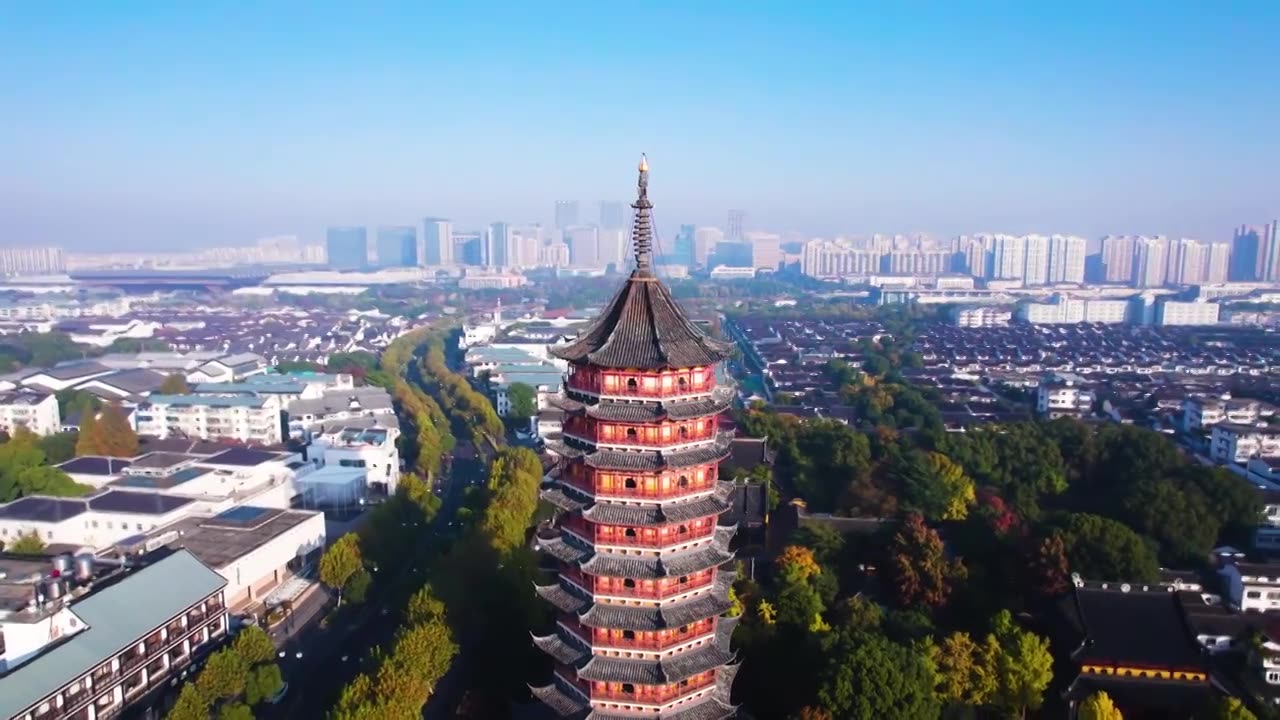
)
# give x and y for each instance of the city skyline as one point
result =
(221, 126)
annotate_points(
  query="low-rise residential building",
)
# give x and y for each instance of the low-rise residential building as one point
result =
(977, 316)
(87, 644)
(371, 448)
(1199, 413)
(36, 411)
(1231, 444)
(255, 418)
(339, 406)
(1252, 587)
(96, 521)
(1064, 395)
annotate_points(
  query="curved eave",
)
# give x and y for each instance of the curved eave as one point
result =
(625, 617)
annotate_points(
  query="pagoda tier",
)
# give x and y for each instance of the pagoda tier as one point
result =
(640, 594)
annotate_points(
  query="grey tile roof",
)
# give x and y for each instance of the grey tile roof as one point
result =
(115, 617)
(631, 617)
(673, 512)
(644, 328)
(638, 412)
(648, 459)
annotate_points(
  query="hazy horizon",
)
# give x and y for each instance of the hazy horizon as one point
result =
(154, 128)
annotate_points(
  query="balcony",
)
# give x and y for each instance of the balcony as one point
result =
(644, 538)
(650, 694)
(654, 642)
(645, 437)
(607, 587)
(640, 489)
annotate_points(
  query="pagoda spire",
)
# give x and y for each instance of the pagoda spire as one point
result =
(642, 228)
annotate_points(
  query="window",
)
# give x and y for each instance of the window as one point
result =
(628, 688)
(1253, 594)
(684, 481)
(628, 583)
(682, 383)
(631, 383)
(683, 579)
(631, 433)
(629, 483)
(628, 634)
(683, 529)
(351, 463)
(684, 431)
(629, 532)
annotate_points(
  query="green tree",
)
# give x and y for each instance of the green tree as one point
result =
(28, 544)
(1099, 706)
(235, 711)
(224, 677)
(357, 587)
(1024, 666)
(263, 682)
(424, 607)
(870, 678)
(59, 447)
(18, 455)
(175, 384)
(45, 480)
(524, 400)
(254, 645)
(1100, 548)
(191, 705)
(340, 562)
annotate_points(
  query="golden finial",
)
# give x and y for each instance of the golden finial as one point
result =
(644, 163)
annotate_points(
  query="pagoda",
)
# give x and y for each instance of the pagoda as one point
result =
(642, 590)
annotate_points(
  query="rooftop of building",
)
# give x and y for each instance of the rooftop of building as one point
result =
(217, 401)
(23, 397)
(1128, 625)
(115, 615)
(219, 540)
(243, 457)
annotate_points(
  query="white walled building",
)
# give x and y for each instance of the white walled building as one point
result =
(371, 449)
(1199, 413)
(34, 410)
(1064, 395)
(1232, 444)
(979, 316)
(247, 419)
(1252, 586)
(1173, 312)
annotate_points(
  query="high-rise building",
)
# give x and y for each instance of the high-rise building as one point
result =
(930, 263)
(1118, 252)
(705, 240)
(732, 253)
(642, 592)
(1219, 263)
(32, 261)
(736, 219)
(566, 214)
(348, 248)
(497, 244)
(584, 246)
(397, 246)
(1246, 254)
(1067, 259)
(836, 259)
(766, 250)
(1151, 261)
(1008, 257)
(1188, 261)
(612, 247)
(469, 247)
(613, 215)
(1035, 260)
(437, 241)
(684, 247)
(1269, 252)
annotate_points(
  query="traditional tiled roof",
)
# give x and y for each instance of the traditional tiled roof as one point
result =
(672, 669)
(630, 617)
(647, 459)
(641, 412)
(670, 565)
(634, 515)
(643, 327)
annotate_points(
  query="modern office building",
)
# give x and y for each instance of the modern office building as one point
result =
(397, 246)
(1246, 254)
(348, 248)
(1219, 265)
(437, 241)
(732, 253)
(766, 250)
(612, 247)
(566, 214)
(684, 246)
(1151, 262)
(497, 245)
(613, 215)
(736, 220)
(1269, 252)
(584, 246)
(705, 240)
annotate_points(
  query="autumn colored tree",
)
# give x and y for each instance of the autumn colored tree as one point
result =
(966, 669)
(1099, 706)
(797, 563)
(1048, 568)
(109, 434)
(918, 570)
(28, 544)
(1230, 708)
(89, 441)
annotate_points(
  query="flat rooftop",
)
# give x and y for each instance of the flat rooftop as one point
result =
(161, 460)
(95, 465)
(219, 540)
(244, 457)
(161, 482)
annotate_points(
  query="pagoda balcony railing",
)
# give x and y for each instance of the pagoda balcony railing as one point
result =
(587, 385)
(640, 492)
(595, 437)
(592, 534)
(651, 695)
(658, 592)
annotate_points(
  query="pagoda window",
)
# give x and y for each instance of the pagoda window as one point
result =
(684, 629)
(682, 383)
(630, 532)
(631, 383)
(628, 688)
(631, 433)
(628, 634)
(684, 432)
(684, 481)
(683, 579)
(683, 529)
(629, 483)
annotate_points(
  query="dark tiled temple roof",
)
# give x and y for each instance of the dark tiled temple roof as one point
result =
(646, 459)
(634, 515)
(655, 672)
(1135, 628)
(630, 617)
(670, 565)
(643, 327)
(641, 412)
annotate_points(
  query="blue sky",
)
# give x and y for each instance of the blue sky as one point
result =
(154, 125)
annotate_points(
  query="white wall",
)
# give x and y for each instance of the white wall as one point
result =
(262, 562)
